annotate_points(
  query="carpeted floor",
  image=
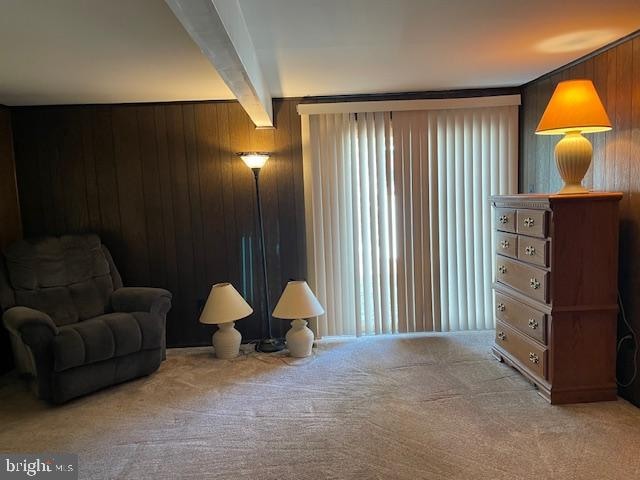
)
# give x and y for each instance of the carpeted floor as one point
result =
(407, 407)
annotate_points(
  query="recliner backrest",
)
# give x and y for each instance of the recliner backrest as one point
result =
(70, 277)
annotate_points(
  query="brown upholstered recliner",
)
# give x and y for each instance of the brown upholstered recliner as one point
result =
(73, 327)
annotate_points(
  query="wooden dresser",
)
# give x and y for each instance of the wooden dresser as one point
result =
(556, 292)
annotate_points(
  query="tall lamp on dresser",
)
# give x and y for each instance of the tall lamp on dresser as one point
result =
(557, 265)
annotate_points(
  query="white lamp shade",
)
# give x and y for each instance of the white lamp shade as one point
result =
(254, 159)
(297, 301)
(224, 305)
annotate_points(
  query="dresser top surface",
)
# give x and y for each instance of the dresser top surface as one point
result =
(548, 198)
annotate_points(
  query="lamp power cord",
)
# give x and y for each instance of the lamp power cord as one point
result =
(631, 336)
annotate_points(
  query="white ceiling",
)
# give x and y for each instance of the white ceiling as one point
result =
(102, 51)
(329, 47)
(99, 51)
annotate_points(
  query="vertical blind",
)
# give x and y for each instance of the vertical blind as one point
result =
(400, 227)
(352, 228)
(460, 158)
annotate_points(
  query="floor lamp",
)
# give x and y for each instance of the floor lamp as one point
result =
(255, 161)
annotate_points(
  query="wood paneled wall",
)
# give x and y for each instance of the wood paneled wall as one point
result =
(163, 187)
(616, 163)
(10, 224)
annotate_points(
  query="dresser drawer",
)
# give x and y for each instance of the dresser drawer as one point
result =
(532, 222)
(531, 355)
(507, 244)
(533, 250)
(528, 279)
(505, 219)
(524, 318)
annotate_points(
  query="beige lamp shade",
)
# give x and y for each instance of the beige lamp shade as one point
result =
(574, 107)
(224, 305)
(297, 301)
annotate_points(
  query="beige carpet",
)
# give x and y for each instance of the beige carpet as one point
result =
(409, 407)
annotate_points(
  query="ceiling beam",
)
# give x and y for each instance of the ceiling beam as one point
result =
(219, 29)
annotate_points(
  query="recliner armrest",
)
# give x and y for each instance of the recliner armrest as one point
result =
(19, 320)
(141, 299)
(35, 330)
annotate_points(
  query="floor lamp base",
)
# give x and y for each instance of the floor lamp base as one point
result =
(269, 345)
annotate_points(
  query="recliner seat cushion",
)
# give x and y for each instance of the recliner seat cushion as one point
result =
(106, 336)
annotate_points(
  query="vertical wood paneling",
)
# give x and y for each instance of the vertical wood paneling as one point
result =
(527, 123)
(151, 192)
(210, 178)
(195, 203)
(93, 200)
(610, 149)
(27, 171)
(287, 217)
(175, 334)
(295, 151)
(10, 224)
(601, 80)
(231, 235)
(106, 179)
(126, 151)
(72, 161)
(181, 216)
(588, 74)
(163, 187)
(632, 298)
(615, 167)
(49, 170)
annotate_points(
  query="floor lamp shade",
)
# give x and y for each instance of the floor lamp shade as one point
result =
(224, 306)
(297, 303)
(575, 108)
(254, 159)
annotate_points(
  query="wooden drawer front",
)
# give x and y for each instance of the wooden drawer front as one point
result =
(505, 219)
(526, 319)
(532, 222)
(533, 250)
(531, 356)
(507, 244)
(528, 279)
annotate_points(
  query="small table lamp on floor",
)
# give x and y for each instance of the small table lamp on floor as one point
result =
(296, 303)
(224, 306)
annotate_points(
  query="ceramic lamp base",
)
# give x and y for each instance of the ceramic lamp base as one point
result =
(299, 339)
(573, 157)
(226, 341)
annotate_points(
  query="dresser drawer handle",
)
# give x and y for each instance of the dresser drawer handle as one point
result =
(501, 307)
(533, 324)
(502, 336)
(533, 358)
(529, 250)
(502, 269)
(534, 283)
(504, 243)
(529, 222)
(503, 219)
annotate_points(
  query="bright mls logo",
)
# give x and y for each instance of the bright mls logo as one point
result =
(52, 466)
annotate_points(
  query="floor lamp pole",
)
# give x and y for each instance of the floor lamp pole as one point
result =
(268, 344)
